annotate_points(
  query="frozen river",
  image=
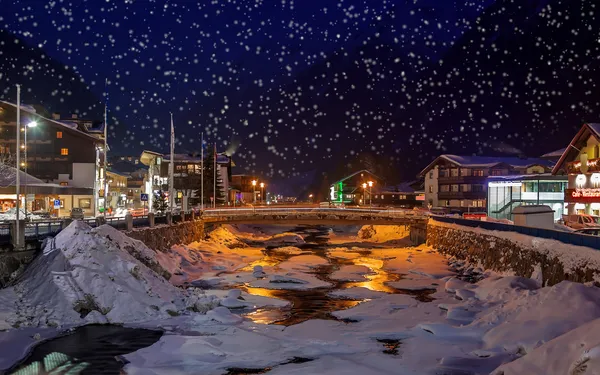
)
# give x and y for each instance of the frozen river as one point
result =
(314, 300)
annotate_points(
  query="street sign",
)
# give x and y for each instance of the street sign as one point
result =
(57, 203)
(144, 197)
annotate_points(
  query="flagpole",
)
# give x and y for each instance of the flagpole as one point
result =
(215, 179)
(172, 167)
(202, 173)
(18, 169)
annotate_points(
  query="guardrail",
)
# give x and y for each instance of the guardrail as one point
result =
(310, 210)
(564, 237)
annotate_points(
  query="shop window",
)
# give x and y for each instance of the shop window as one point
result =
(64, 151)
(58, 135)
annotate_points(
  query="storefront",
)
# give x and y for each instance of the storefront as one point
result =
(508, 192)
(580, 163)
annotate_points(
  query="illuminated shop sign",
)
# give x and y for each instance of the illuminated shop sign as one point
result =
(592, 165)
(504, 183)
(585, 193)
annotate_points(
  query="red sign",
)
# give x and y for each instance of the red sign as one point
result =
(582, 195)
(474, 216)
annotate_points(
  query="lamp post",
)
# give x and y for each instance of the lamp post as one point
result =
(262, 192)
(32, 124)
(364, 185)
(310, 196)
(370, 192)
(254, 191)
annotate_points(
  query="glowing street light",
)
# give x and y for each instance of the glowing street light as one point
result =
(254, 191)
(310, 196)
(262, 187)
(364, 185)
(370, 191)
(32, 124)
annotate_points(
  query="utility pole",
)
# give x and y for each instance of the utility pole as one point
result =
(202, 174)
(172, 167)
(105, 178)
(18, 169)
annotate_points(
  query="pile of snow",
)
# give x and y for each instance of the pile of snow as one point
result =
(383, 233)
(285, 239)
(224, 236)
(90, 275)
(11, 214)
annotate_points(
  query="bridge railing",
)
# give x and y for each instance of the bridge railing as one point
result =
(372, 212)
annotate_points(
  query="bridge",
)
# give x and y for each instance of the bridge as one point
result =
(35, 231)
(314, 216)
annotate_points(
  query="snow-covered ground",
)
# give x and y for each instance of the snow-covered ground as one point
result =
(501, 324)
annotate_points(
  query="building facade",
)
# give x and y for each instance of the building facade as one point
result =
(57, 153)
(460, 182)
(505, 193)
(580, 163)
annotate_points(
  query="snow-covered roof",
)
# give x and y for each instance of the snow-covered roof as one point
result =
(69, 126)
(488, 162)
(572, 150)
(554, 154)
(403, 187)
(8, 177)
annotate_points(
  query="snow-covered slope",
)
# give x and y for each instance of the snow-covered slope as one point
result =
(90, 275)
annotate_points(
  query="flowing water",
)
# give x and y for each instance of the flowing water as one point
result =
(92, 349)
(316, 303)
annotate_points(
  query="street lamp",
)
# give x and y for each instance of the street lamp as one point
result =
(254, 191)
(311, 197)
(262, 187)
(32, 124)
(364, 185)
(370, 191)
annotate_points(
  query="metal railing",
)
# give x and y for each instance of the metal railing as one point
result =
(564, 237)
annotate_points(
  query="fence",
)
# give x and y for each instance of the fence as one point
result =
(564, 237)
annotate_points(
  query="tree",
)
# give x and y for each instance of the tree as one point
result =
(160, 203)
(209, 174)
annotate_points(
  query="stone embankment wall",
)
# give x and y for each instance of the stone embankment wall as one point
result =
(548, 261)
(162, 237)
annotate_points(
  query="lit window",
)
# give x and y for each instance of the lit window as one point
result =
(64, 151)
(58, 134)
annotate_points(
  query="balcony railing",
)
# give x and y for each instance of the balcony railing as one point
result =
(462, 195)
(462, 179)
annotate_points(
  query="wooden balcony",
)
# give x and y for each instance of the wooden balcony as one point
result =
(462, 180)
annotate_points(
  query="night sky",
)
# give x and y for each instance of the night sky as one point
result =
(296, 87)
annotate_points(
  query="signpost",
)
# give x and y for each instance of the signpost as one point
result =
(144, 198)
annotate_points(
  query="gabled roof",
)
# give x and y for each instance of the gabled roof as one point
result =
(576, 144)
(354, 174)
(488, 162)
(66, 126)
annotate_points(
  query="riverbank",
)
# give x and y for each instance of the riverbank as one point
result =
(349, 300)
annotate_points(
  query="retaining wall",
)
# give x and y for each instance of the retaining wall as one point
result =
(550, 261)
(162, 237)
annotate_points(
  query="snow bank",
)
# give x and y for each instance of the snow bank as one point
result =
(383, 233)
(89, 275)
(285, 239)
(11, 214)
(224, 236)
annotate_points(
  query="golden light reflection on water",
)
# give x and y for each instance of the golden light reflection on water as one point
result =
(376, 279)
(266, 261)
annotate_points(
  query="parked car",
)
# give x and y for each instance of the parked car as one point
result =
(589, 231)
(580, 221)
(77, 213)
